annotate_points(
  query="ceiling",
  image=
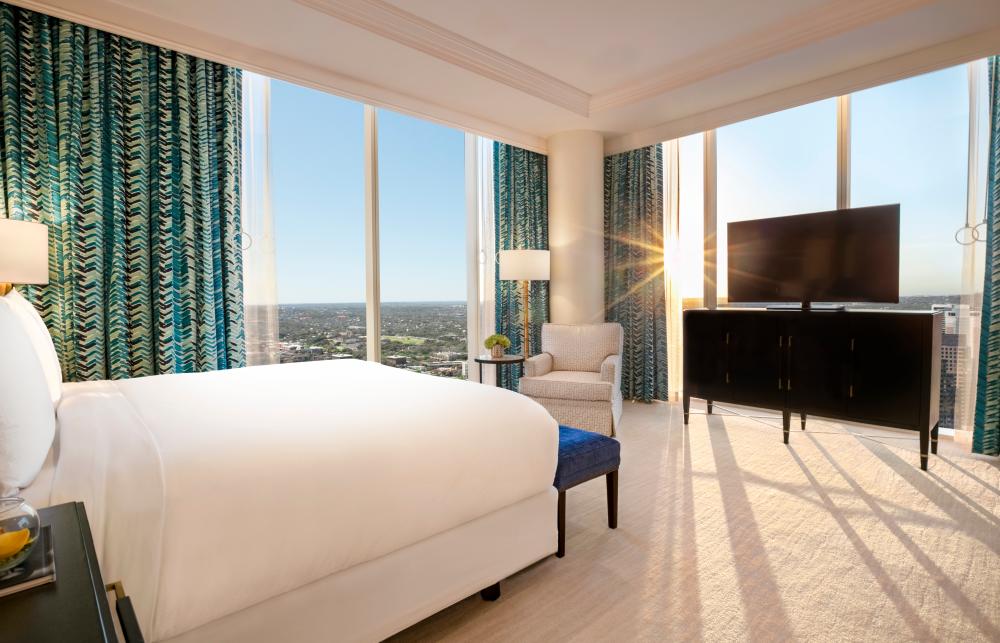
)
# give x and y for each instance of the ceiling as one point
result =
(638, 71)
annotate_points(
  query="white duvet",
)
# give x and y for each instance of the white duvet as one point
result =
(211, 492)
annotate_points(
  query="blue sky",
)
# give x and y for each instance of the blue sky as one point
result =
(317, 151)
(908, 145)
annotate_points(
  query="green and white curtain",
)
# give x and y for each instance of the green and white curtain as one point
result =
(986, 436)
(633, 263)
(131, 154)
(521, 210)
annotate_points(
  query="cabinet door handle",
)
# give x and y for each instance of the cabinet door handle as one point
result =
(850, 391)
(779, 382)
(727, 378)
(727, 337)
(789, 387)
(852, 344)
(781, 341)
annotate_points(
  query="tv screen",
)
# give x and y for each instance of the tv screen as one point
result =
(847, 255)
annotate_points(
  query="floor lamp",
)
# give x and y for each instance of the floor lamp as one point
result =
(525, 266)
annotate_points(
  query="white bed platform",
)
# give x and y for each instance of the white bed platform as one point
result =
(378, 598)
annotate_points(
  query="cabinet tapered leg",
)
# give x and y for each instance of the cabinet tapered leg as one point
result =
(934, 437)
(925, 438)
(786, 423)
(802, 416)
(708, 404)
(687, 408)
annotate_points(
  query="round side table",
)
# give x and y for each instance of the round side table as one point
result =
(499, 362)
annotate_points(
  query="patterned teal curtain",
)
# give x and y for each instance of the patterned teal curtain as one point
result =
(131, 154)
(634, 292)
(986, 436)
(521, 202)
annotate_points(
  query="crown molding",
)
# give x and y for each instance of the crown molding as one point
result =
(922, 61)
(813, 25)
(142, 26)
(820, 23)
(405, 28)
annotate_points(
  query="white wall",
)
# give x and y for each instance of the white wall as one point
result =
(576, 226)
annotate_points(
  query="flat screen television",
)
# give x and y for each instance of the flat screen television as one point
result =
(849, 255)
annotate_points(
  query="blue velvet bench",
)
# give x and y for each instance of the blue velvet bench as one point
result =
(583, 456)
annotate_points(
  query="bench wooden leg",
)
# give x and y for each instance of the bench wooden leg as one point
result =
(612, 482)
(803, 418)
(561, 525)
(491, 593)
(786, 421)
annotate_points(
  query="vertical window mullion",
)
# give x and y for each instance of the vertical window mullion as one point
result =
(711, 216)
(844, 151)
(373, 298)
(472, 250)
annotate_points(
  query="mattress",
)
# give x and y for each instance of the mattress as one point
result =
(212, 492)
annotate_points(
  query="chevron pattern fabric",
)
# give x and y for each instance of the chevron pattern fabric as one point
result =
(986, 436)
(521, 202)
(131, 154)
(634, 292)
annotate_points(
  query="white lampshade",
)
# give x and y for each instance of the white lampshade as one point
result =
(524, 265)
(24, 252)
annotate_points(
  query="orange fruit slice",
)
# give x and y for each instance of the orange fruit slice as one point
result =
(13, 542)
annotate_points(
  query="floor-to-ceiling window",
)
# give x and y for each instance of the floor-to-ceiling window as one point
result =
(906, 142)
(775, 165)
(910, 145)
(422, 229)
(317, 193)
(364, 215)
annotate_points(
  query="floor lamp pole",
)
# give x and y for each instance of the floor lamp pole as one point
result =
(525, 285)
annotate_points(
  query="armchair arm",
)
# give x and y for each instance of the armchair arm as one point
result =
(611, 370)
(538, 365)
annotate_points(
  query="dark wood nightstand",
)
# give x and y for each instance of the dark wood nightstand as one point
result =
(75, 607)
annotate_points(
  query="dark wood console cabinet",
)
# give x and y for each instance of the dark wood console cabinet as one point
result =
(873, 366)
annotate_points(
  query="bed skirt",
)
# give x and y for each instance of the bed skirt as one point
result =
(378, 598)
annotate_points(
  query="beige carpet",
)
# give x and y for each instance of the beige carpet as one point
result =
(725, 534)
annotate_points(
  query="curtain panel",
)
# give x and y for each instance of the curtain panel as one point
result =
(521, 209)
(634, 290)
(131, 155)
(260, 281)
(986, 434)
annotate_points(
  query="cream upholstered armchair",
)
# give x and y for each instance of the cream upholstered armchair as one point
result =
(577, 376)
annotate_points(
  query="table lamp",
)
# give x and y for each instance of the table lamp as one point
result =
(24, 254)
(525, 266)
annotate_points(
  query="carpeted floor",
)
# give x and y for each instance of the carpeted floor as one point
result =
(727, 534)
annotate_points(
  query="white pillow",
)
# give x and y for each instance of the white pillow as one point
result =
(41, 341)
(27, 417)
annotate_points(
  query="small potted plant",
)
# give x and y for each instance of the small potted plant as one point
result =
(497, 344)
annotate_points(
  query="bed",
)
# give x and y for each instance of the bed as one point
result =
(328, 500)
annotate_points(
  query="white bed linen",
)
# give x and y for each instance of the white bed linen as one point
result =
(212, 492)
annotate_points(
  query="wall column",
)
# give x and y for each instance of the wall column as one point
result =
(576, 227)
